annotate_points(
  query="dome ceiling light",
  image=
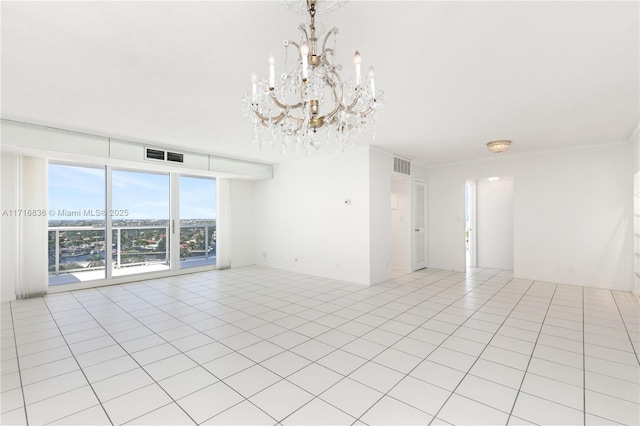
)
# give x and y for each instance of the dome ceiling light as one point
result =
(498, 146)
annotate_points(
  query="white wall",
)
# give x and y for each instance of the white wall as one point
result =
(401, 225)
(301, 214)
(9, 179)
(572, 214)
(494, 229)
(446, 219)
(380, 169)
(634, 140)
(243, 215)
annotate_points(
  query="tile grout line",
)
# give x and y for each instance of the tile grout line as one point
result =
(236, 301)
(624, 323)
(336, 349)
(367, 360)
(584, 366)
(486, 346)
(440, 344)
(532, 351)
(185, 354)
(79, 367)
(136, 361)
(15, 341)
(388, 347)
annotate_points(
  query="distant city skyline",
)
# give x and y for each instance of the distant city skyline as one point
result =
(141, 195)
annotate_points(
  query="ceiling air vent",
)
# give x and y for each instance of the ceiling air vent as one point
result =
(153, 154)
(175, 157)
(401, 165)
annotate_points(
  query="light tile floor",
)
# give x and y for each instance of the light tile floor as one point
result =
(261, 346)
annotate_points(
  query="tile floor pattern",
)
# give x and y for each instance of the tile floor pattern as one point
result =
(261, 346)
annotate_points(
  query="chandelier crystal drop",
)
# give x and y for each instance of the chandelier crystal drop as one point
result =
(309, 103)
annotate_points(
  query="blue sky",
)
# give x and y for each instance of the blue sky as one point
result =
(144, 195)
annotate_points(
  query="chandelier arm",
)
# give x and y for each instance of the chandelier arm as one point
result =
(295, 120)
(324, 43)
(263, 118)
(303, 30)
(349, 108)
(295, 44)
(365, 112)
(325, 55)
(340, 99)
(285, 106)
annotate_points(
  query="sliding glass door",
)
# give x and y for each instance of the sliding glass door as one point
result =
(140, 222)
(108, 223)
(197, 221)
(76, 232)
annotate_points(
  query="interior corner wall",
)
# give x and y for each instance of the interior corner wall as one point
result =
(494, 225)
(9, 179)
(380, 168)
(572, 214)
(242, 223)
(313, 217)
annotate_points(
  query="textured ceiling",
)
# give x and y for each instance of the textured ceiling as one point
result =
(548, 75)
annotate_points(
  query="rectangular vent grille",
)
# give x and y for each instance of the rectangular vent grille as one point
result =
(154, 154)
(175, 157)
(400, 165)
(161, 155)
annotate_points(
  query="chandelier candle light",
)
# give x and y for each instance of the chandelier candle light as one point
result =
(312, 96)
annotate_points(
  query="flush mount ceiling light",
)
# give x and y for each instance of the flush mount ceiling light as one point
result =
(499, 146)
(310, 95)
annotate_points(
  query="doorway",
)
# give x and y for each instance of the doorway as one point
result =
(409, 248)
(419, 245)
(489, 223)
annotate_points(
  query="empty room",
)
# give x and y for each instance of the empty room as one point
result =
(308, 212)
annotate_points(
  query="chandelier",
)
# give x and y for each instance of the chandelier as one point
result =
(310, 103)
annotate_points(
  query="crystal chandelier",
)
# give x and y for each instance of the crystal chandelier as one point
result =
(310, 97)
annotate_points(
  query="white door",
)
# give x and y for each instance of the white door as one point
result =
(419, 225)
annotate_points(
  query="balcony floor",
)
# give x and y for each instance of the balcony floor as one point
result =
(82, 276)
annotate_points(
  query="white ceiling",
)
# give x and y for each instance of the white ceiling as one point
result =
(548, 75)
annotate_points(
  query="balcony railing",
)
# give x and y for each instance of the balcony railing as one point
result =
(83, 248)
